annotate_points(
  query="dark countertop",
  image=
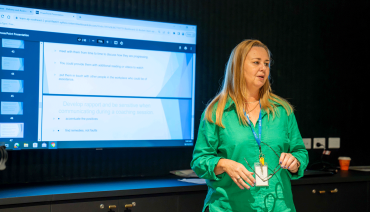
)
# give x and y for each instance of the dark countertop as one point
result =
(52, 192)
(340, 177)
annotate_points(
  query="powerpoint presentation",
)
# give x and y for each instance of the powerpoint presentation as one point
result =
(69, 83)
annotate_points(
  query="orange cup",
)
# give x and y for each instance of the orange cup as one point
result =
(344, 162)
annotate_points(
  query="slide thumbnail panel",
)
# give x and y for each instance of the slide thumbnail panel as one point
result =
(11, 108)
(12, 86)
(12, 43)
(11, 130)
(12, 63)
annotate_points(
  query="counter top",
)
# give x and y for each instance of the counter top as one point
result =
(53, 192)
(340, 177)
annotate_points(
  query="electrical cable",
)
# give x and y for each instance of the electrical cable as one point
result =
(321, 164)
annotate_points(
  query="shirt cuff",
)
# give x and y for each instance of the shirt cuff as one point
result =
(299, 173)
(212, 165)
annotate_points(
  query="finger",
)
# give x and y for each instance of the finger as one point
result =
(250, 176)
(242, 182)
(286, 158)
(282, 157)
(293, 166)
(290, 161)
(236, 181)
(244, 179)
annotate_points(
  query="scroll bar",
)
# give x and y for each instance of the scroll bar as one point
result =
(193, 100)
(41, 68)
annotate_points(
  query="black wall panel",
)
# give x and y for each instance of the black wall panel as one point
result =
(320, 52)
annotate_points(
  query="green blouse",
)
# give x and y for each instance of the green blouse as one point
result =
(236, 142)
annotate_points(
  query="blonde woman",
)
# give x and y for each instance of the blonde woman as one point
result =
(249, 146)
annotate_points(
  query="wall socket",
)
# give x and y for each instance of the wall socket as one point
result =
(307, 143)
(319, 143)
(334, 143)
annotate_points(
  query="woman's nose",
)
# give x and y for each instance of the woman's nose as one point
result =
(264, 67)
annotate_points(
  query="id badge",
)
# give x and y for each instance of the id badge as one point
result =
(261, 173)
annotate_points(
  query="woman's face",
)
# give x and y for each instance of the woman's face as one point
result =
(256, 67)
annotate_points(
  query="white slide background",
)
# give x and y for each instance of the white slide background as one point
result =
(109, 125)
(66, 70)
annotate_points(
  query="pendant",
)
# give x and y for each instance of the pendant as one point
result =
(262, 161)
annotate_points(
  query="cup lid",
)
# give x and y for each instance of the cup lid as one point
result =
(344, 158)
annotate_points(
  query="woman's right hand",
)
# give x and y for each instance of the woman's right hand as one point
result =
(237, 172)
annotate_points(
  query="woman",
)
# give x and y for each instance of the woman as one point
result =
(246, 129)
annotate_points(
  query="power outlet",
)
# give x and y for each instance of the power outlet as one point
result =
(319, 143)
(307, 143)
(334, 143)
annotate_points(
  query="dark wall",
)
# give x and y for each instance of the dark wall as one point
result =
(319, 49)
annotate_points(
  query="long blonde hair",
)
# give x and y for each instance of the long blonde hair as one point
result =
(235, 87)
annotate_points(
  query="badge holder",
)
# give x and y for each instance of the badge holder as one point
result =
(261, 174)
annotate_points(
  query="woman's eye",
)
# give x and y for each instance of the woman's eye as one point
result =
(266, 64)
(256, 62)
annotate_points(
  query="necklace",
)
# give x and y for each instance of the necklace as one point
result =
(252, 109)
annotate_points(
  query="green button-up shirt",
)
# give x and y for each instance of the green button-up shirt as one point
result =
(236, 142)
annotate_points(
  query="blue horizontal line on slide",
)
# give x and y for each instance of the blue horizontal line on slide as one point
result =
(140, 97)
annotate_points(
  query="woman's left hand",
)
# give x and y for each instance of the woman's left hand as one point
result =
(288, 161)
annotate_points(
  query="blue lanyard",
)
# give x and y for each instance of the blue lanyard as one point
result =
(258, 139)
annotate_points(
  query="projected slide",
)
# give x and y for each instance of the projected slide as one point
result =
(13, 86)
(11, 43)
(12, 63)
(11, 108)
(11, 130)
(104, 118)
(89, 70)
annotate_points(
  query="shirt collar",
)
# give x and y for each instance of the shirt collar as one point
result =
(229, 103)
